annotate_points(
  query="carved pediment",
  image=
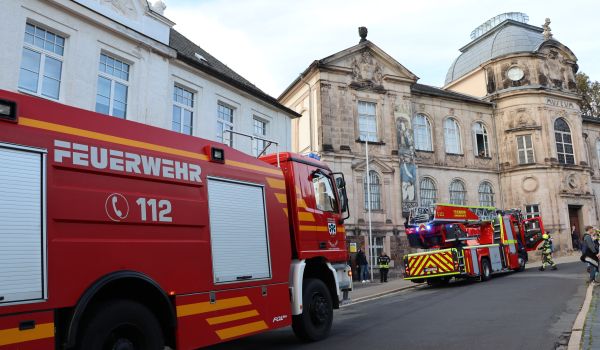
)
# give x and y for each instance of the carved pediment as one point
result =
(126, 8)
(375, 164)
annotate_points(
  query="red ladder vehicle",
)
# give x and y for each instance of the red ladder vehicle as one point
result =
(468, 242)
(119, 235)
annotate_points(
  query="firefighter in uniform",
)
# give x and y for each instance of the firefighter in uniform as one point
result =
(384, 266)
(546, 249)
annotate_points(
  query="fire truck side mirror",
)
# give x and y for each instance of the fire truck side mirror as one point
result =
(340, 183)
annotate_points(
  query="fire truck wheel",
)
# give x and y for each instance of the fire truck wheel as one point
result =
(486, 270)
(317, 314)
(122, 325)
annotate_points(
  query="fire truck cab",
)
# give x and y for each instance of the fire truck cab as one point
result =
(468, 242)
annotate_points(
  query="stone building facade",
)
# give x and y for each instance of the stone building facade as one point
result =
(495, 135)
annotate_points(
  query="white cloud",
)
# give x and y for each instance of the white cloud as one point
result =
(270, 42)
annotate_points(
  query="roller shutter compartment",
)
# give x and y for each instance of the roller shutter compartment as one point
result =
(22, 226)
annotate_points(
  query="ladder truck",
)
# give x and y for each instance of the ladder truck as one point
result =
(468, 242)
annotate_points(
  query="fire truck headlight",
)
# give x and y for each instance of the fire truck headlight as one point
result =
(8, 110)
(428, 227)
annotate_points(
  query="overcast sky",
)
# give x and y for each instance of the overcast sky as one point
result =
(270, 42)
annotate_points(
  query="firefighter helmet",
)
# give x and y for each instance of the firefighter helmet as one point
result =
(545, 236)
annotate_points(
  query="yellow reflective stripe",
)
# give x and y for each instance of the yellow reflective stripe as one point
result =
(232, 332)
(252, 167)
(511, 241)
(108, 138)
(232, 317)
(429, 276)
(15, 335)
(34, 123)
(313, 228)
(431, 252)
(305, 216)
(281, 198)
(276, 183)
(301, 203)
(204, 307)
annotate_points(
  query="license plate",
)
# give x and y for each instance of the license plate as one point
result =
(430, 269)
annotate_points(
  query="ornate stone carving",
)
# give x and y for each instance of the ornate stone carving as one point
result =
(573, 182)
(362, 32)
(366, 69)
(547, 30)
(530, 184)
(124, 7)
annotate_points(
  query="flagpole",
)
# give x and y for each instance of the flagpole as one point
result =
(372, 261)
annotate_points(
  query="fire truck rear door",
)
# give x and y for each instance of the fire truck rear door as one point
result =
(22, 224)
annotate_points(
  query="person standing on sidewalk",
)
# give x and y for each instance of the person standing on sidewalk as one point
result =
(589, 252)
(383, 261)
(546, 249)
(363, 266)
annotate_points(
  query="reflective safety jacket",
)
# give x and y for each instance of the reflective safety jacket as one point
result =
(546, 247)
(383, 261)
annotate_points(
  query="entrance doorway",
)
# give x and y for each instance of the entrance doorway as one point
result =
(574, 221)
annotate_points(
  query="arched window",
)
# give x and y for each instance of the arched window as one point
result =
(452, 136)
(375, 191)
(428, 192)
(480, 137)
(422, 130)
(458, 193)
(564, 144)
(486, 194)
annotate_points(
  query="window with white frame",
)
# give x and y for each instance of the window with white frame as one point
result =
(452, 136)
(224, 122)
(375, 188)
(532, 211)
(486, 194)
(113, 86)
(525, 149)
(422, 131)
(378, 245)
(183, 110)
(42, 61)
(564, 143)
(480, 137)
(260, 130)
(367, 121)
(458, 193)
(428, 192)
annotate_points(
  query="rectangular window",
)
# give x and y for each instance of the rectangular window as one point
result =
(367, 121)
(42, 60)
(224, 122)
(183, 110)
(377, 246)
(532, 211)
(113, 81)
(525, 149)
(260, 130)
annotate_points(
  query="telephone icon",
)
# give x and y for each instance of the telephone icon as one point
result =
(117, 207)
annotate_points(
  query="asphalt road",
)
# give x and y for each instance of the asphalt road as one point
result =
(526, 310)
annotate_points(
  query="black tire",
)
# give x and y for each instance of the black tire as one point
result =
(418, 280)
(317, 313)
(121, 325)
(486, 270)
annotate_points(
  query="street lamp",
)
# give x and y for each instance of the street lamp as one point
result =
(371, 257)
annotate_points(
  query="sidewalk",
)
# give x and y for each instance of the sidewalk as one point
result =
(592, 325)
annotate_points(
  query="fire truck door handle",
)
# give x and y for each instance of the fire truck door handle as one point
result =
(1, 298)
(243, 277)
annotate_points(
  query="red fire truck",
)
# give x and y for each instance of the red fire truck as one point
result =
(118, 235)
(468, 242)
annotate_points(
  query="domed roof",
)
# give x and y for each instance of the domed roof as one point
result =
(508, 37)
